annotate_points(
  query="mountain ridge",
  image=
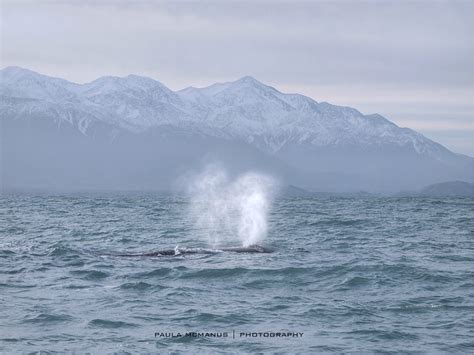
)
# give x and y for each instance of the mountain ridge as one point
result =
(245, 90)
(309, 141)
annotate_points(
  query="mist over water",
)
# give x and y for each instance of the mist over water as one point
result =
(230, 211)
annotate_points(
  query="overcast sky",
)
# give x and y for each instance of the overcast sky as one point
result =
(412, 62)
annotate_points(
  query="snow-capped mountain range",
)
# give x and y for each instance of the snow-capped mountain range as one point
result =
(245, 111)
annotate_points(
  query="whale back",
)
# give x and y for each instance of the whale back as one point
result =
(181, 251)
(249, 249)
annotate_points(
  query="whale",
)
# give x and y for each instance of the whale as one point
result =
(183, 251)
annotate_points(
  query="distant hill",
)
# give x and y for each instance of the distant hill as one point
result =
(449, 189)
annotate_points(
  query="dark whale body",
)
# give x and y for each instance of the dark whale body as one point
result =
(182, 251)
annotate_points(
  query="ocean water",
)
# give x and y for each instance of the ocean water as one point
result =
(368, 275)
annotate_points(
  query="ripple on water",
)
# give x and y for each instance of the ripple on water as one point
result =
(13, 271)
(48, 318)
(90, 275)
(382, 334)
(352, 283)
(157, 274)
(61, 250)
(5, 253)
(111, 324)
(136, 286)
(240, 272)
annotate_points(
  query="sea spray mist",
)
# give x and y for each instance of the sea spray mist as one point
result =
(229, 210)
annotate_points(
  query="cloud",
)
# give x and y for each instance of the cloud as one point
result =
(307, 43)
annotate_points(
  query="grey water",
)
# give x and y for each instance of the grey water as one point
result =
(368, 275)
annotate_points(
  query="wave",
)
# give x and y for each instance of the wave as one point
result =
(111, 324)
(46, 318)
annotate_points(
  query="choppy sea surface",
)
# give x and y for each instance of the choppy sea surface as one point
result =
(352, 275)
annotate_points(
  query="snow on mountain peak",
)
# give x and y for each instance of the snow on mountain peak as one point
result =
(249, 80)
(109, 84)
(245, 109)
(13, 72)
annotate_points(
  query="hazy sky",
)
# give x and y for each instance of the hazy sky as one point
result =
(412, 62)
